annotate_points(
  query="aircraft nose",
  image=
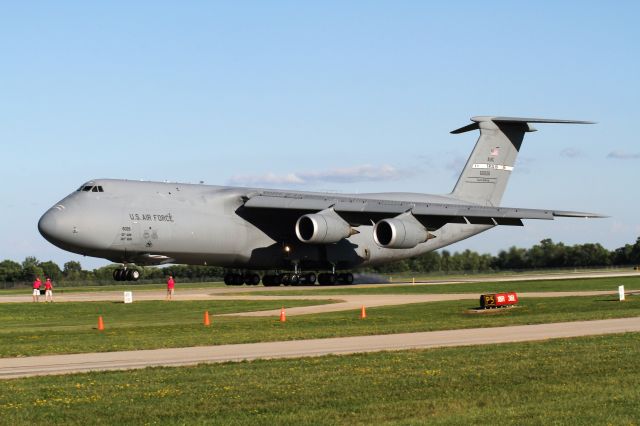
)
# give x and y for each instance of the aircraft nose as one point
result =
(50, 225)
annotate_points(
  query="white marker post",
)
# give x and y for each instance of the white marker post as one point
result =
(621, 292)
(128, 297)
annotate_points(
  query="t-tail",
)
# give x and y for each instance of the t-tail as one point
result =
(485, 176)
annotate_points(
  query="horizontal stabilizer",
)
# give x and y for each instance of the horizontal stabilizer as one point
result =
(524, 120)
(557, 213)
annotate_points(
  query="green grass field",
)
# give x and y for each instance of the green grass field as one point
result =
(35, 329)
(610, 284)
(591, 380)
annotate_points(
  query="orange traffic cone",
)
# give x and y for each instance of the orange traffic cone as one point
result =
(100, 324)
(363, 313)
(206, 319)
(283, 315)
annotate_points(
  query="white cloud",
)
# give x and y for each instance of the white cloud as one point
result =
(362, 173)
(571, 153)
(622, 155)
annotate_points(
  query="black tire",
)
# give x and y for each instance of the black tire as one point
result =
(295, 279)
(121, 275)
(228, 279)
(128, 275)
(345, 278)
(116, 274)
(311, 278)
(286, 279)
(135, 274)
(327, 279)
(238, 279)
(348, 279)
(252, 279)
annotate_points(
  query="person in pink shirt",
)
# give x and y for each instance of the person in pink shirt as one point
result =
(48, 291)
(171, 284)
(36, 289)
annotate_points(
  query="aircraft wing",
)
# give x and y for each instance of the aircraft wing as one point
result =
(358, 211)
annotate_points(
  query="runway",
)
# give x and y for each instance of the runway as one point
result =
(76, 363)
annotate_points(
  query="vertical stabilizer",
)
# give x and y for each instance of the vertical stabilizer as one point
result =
(485, 176)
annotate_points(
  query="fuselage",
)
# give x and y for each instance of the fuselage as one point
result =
(156, 222)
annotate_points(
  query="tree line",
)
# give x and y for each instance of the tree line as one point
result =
(546, 254)
(14, 274)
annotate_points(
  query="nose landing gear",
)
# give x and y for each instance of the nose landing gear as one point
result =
(124, 274)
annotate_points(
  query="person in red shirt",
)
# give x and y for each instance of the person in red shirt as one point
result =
(171, 284)
(36, 289)
(48, 291)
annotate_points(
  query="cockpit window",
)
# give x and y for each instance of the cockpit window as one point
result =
(91, 188)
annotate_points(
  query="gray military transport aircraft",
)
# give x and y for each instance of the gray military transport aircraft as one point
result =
(291, 234)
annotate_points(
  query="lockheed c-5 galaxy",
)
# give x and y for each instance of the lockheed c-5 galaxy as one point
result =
(291, 234)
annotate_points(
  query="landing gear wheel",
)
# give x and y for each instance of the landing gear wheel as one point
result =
(346, 278)
(311, 278)
(294, 279)
(252, 279)
(120, 274)
(285, 279)
(233, 279)
(327, 279)
(135, 275)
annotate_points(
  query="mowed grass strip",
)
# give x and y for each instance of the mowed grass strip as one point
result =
(51, 328)
(36, 329)
(591, 380)
(590, 284)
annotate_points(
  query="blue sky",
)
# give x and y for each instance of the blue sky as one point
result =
(352, 96)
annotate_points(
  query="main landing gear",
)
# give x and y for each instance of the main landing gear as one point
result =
(332, 279)
(124, 274)
(239, 279)
(289, 278)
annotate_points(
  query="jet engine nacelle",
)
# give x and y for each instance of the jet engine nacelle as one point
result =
(401, 232)
(323, 228)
